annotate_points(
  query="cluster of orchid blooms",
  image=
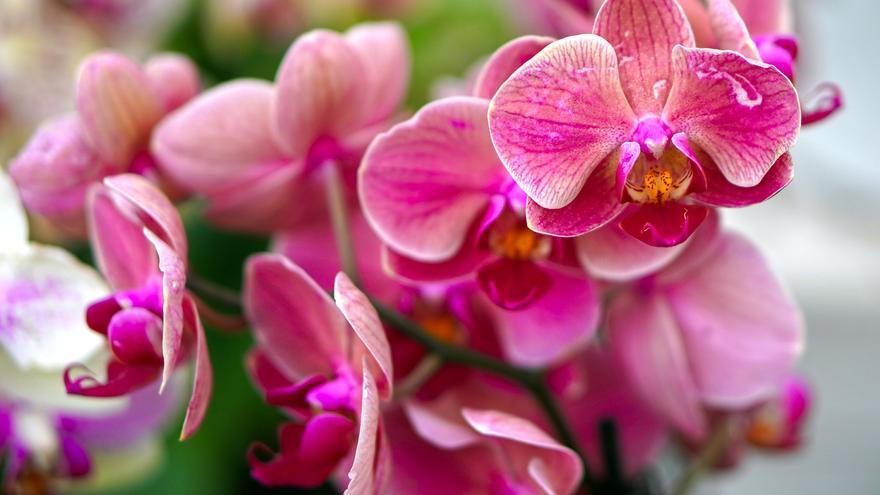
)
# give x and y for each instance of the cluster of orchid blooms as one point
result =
(557, 222)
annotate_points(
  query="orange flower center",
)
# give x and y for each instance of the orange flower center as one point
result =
(518, 243)
(442, 327)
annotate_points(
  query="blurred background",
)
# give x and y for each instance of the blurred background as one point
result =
(822, 233)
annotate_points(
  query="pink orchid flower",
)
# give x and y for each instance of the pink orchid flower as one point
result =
(483, 424)
(258, 151)
(151, 323)
(435, 191)
(778, 423)
(327, 365)
(729, 24)
(118, 104)
(714, 329)
(634, 114)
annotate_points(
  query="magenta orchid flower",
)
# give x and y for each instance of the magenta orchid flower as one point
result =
(258, 151)
(118, 104)
(478, 424)
(778, 423)
(437, 195)
(713, 330)
(635, 115)
(151, 323)
(327, 365)
(760, 31)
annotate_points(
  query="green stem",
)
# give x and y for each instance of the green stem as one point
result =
(338, 209)
(706, 458)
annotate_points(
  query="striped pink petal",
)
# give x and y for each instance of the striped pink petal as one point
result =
(505, 61)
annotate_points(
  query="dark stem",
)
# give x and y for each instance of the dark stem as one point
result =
(212, 291)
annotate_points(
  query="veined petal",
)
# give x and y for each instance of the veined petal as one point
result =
(219, 136)
(44, 292)
(643, 33)
(596, 205)
(124, 256)
(362, 475)
(559, 116)
(646, 339)
(534, 454)
(555, 326)
(720, 192)
(743, 114)
(610, 253)
(730, 31)
(153, 208)
(734, 315)
(364, 320)
(319, 91)
(203, 378)
(295, 323)
(174, 78)
(424, 182)
(384, 51)
(117, 106)
(505, 61)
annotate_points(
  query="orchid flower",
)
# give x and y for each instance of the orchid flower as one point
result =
(771, 41)
(259, 151)
(712, 330)
(635, 115)
(478, 424)
(435, 191)
(778, 423)
(327, 365)
(150, 322)
(118, 104)
(47, 437)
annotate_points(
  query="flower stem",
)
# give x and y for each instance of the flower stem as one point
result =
(337, 206)
(706, 458)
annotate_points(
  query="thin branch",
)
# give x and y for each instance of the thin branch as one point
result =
(706, 458)
(338, 208)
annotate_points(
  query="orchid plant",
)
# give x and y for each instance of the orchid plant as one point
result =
(526, 288)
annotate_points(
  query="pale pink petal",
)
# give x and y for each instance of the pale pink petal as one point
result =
(553, 467)
(765, 16)
(555, 326)
(596, 205)
(646, 338)
(643, 33)
(295, 322)
(698, 17)
(505, 61)
(741, 329)
(364, 320)
(156, 211)
(460, 267)
(612, 254)
(384, 51)
(319, 91)
(218, 137)
(743, 114)
(440, 423)
(173, 269)
(124, 256)
(117, 106)
(424, 182)
(731, 32)
(559, 116)
(174, 78)
(362, 473)
(720, 192)
(203, 375)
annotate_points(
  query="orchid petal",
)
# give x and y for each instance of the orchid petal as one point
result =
(720, 192)
(731, 32)
(458, 268)
(173, 290)
(424, 182)
(734, 315)
(13, 221)
(595, 206)
(765, 16)
(557, 325)
(124, 256)
(154, 209)
(295, 322)
(643, 33)
(610, 253)
(383, 49)
(203, 376)
(122, 379)
(514, 284)
(559, 116)
(440, 423)
(174, 78)
(117, 106)
(364, 320)
(646, 339)
(505, 61)
(663, 226)
(553, 467)
(362, 475)
(318, 91)
(219, 136)
(743, 114)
